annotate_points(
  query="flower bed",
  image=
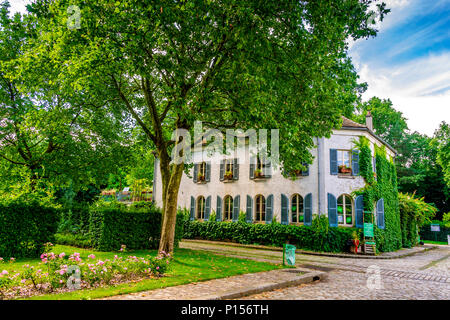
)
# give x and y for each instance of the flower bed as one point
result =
(58, 273)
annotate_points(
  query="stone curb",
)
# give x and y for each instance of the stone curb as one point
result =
(303, 279)
(299, 251)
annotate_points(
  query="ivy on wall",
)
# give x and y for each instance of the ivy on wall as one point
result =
(382, 184)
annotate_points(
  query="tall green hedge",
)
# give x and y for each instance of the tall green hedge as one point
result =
(25, 227)
(332, 239)
(137, 228)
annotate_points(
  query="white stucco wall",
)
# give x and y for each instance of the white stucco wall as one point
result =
(277, 184)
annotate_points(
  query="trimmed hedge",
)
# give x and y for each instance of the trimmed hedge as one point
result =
(426, 233)
(331, 239)
(137, 228)
(25, 227)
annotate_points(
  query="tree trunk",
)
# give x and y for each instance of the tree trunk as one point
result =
(170, 205)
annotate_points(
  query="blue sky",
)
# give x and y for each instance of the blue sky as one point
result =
(408, 62)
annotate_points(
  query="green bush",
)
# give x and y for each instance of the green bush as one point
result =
(25, 226)
(315, 238)
(75, 219)
(76, 240)
(138, 228)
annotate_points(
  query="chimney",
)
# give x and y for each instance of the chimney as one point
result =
(369, 121)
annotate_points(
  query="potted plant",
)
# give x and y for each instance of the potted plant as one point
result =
(258, 173)
(344, 169)
(355, 241)
(201, 177)
(228, 175)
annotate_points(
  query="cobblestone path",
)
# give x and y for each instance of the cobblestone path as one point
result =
(421, 276)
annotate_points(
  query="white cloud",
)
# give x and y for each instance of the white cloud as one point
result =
(419, 88)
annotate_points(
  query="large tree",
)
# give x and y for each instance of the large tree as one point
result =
(260, 64)
(46, 134)
(420, 160)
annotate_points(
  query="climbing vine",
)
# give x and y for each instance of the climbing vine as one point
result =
(382, 184)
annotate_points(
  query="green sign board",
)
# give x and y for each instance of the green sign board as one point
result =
(289, 254)
(368, 229)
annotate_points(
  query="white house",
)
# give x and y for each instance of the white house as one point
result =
(229, 184)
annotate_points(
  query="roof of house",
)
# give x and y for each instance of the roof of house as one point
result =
(352, 125)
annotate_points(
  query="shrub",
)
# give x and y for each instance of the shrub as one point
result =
(25, 225)
(57, 273)
(75, 219)
(75, 240)
(315, 238)
(137, 228)
(414, 212)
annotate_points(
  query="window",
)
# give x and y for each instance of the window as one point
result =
(228, 175)
(344, 161)
(201, 176)
(297, 208)
(345, 210)
(228, 208)
(200, 208)
(260, 209)
(262, 168)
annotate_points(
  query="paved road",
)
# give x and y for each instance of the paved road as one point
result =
(421, 276)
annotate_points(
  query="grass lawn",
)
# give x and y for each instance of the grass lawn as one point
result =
(434, 242)
(188, 266)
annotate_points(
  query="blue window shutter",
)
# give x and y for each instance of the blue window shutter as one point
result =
(374, 164)
(380, 213)
(192, 213)
(219, 209)
(252, 167)
(284, 209)
(333, 162)
(269, 208)
(195, 172)
(207, 208)
(235, 169)
(332, 210)
(208, 172)
(249, 213)
(236, 208)
(307, 210)
(355, 162)
(222, 169)
(359, 211)
(267, 168)
(306, 171)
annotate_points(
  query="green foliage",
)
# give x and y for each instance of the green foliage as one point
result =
(446, 219)
(319, 237)
(113, 225)
(242, 216)
(421, 161)
(75, 219)
(212, 216)
(414, 213)
(25, 226)
(384, 186)
(442, 143)
(426, 233)
(75, 240)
